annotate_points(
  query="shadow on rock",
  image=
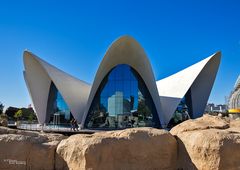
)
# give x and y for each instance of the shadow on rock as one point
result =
(184, 161)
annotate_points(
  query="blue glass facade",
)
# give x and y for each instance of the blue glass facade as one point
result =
(183, 111)
(57, 109)
(122, 101)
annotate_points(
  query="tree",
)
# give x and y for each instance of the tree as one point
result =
(10, 112)
(1, 108)
(30, 118)
(26, 112)
(18, 114)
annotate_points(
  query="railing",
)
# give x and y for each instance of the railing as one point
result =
(63, 127)
(66, 127)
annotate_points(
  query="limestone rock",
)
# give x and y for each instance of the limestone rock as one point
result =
(235, 123)
(234, 126)
(208, 143)
(28, 150)
(205, 122)
(137, 148)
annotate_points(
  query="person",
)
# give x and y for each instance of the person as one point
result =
(72, 125)
(132, 122)
(75, 125)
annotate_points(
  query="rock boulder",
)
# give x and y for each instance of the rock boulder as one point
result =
(209, 143)
(28, 150)
(137, 148)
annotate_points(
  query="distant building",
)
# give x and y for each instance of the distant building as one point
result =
(211, 107)
(234, 98)
(115, 104)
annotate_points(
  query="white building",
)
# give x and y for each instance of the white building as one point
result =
(126, 68)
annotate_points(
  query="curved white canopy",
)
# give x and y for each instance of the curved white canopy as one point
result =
(39, 75)
(198, 77)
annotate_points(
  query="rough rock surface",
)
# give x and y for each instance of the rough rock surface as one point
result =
(202, 123)
(137, 148)
(3, 122)
(28, 150)
(208, 142)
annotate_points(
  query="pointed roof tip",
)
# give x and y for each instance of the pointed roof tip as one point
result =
(29, 53)
(216, 55)
(125, 38)
(26, 52)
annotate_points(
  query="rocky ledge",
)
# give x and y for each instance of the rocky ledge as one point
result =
(205, 143)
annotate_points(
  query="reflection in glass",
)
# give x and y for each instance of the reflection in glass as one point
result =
(57, 109)
(122, 101)
(183, 111)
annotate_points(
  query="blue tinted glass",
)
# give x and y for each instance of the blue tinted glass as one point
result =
(183, 111)
(61, 103)
(123, 102)
(57, 109)
(127, 90)
(62, 107)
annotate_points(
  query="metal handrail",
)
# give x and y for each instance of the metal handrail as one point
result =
(45, 127)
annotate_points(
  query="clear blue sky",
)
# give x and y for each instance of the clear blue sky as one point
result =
(74, 35)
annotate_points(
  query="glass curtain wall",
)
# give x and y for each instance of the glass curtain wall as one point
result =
(183, 111)
(122, 101)
(57, 109)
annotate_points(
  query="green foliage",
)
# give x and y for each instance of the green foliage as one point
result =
(10, 112)
(18, 114)
(26, 112)
(30, 117)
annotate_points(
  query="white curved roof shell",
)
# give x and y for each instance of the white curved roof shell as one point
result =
(198, 77)
(39, 75)
(166, 93)
(126, 50)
